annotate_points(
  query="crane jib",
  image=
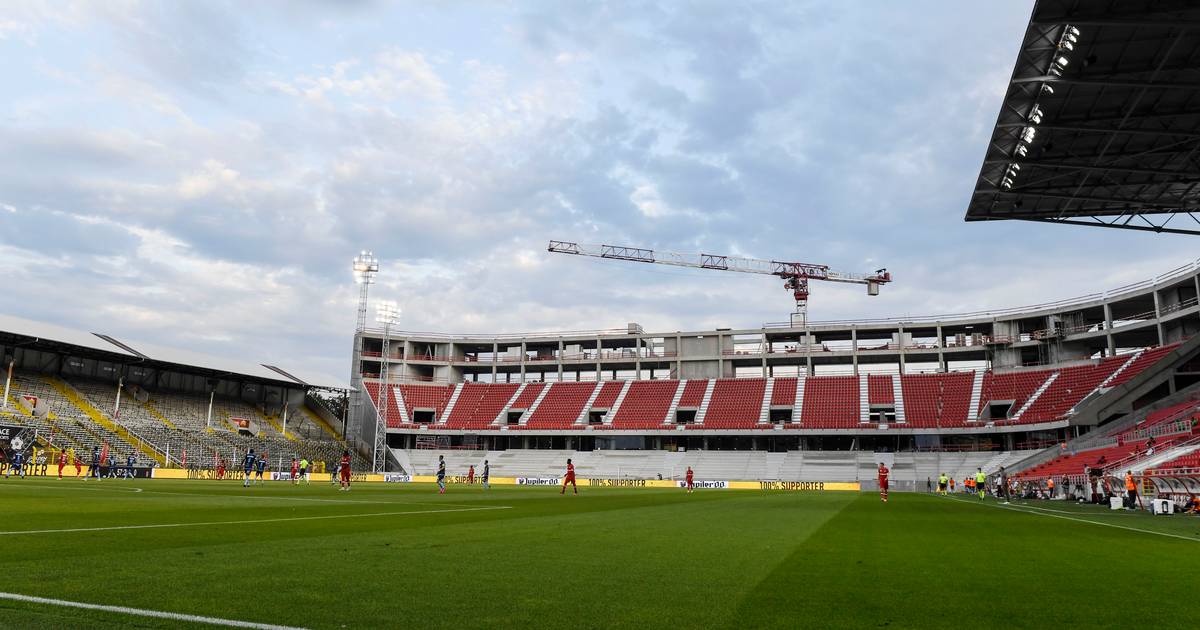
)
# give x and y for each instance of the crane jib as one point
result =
(795, 274)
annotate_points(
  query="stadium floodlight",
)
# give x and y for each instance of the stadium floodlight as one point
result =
(1007, 182)
(1066, 44)
(1028, 134)
(1022, 150)
(366, 265)
(1073, 31)
(387, 312)
(1062, 61)
(1046, 89)
(1035, 115)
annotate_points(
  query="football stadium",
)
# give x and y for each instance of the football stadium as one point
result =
(1001, 464)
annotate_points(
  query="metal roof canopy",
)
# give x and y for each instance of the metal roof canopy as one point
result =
(23, 332)
(1116, 129)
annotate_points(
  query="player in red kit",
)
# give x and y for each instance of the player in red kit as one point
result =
(344, 469)
(883, 482)
(569, 479)
(690, 481)
(471, 475)
(295, 471)
(62, 461)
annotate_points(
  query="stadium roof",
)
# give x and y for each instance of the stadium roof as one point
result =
(1101, 122)
(68, 340)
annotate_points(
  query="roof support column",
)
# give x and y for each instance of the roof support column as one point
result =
(560, 359)
(941, 349)
(1108, 326)
(763, 349)
(678, 356)
(900, 346)
(523, 351)
(1158, 316)
(808, 366)
(637, 358)
(854, 348)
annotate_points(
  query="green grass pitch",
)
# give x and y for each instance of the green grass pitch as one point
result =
(403, 556)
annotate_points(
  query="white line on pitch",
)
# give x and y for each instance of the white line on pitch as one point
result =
(269, 497)
(1015, 508)
(251, 521)
(141, 612)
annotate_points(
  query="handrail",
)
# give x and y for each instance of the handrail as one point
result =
(1138, 455)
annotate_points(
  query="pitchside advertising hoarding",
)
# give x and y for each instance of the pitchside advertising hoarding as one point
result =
(16, 439)
(539, 481)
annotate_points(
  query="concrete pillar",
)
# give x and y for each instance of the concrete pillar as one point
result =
(854, 348)
(637, 359)
(900, 346)
(941, 349)
(1108, 336)
(1158, 316)
(560, 359)
(523, 350)
(763, 347)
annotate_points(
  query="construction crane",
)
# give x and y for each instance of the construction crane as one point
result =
(795, 274)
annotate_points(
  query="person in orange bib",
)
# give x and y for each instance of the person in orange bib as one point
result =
(1131, 496)
(1050, 488)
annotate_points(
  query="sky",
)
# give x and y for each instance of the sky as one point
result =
(200, 175)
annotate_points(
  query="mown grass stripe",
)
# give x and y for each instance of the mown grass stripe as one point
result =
(1044, 512)
(247, 521)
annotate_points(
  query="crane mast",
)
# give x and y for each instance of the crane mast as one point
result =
(795, 274)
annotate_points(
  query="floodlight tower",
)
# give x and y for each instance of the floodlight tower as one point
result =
(387, 313)
(366, 265)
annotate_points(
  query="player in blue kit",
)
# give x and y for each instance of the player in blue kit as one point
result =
(259, 468)
(17, 465)
(247, 467)
(95, 470)
(441, 475)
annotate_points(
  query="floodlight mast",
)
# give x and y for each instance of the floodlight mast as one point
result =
(366, 265)
(387, 313)
(795, 274)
